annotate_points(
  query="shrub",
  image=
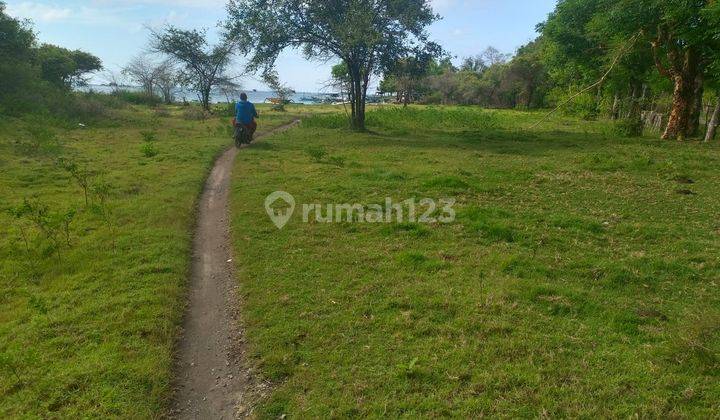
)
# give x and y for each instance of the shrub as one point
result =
(195, 113)
(139, 98)
(149, 136)
(628, 127)
(86, 108)
(148, 150)
(229, 109)
(42, 139)
(583, 106)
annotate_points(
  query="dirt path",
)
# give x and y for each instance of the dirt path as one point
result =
(212, 378)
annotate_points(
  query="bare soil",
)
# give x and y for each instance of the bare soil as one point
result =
(213, 378)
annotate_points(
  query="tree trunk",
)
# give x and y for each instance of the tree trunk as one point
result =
(205, 98)
(635, 111)
(678, 123)
(713, 124)
(615, 111)
(696, 110)
(357, 119)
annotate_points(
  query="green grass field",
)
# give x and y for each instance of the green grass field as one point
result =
(87, 328)
(579, 278)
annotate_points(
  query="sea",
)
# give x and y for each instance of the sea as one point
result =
(217, 97)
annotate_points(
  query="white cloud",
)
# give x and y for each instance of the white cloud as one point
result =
(39, 12)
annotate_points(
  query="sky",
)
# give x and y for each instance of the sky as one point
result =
(117, 30)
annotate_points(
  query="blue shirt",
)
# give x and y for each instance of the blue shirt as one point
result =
(245, 112)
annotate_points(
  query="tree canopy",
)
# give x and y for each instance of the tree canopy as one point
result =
(367, 35)
(33, 74)
(204, 67)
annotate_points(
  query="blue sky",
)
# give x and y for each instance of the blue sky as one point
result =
(116, 30)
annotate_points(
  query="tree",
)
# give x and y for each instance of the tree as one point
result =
(230, 89)
(283, 91)
(367, 35)
(525, 75)
(408, 73)
(340, 80)
(491, 57)
(203, 67)
(143, 71)
(113, 79)
(17, 72)
(474, 65)
(680, 39)
(166, 80)
(65, 68)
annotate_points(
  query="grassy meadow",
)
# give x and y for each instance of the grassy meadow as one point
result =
(93, 286)
(579, 278)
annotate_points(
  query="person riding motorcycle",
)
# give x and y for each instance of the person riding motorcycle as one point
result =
(245, 114)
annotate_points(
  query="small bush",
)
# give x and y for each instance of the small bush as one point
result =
(107, 100)
(148, 136)
(148, 150)
(338, 161)
(583, 106)
(229, 109)
(42, 139)
(628, 128)
(139, 98)
(86, 108)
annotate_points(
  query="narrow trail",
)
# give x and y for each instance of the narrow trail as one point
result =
(212, 378)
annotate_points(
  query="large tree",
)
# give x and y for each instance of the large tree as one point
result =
(66, 68)
(143, 70)
(204, 67)
(367, 35)
(682, 44)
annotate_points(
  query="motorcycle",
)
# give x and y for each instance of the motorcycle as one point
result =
(242, 135)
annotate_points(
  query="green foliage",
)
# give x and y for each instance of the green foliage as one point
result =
(44, 231)
(491, 79)
(149, 135)
(80, 174)
(628, 127)
(64, 68)
(204, 67)
(583, 106)
(368, 36)
(37, 79)
(149, 150)
(139, 98)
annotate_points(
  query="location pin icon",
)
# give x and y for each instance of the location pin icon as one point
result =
(280, 217)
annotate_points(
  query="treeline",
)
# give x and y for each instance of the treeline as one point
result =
(490, 79)
(35, 77)
(649, 63)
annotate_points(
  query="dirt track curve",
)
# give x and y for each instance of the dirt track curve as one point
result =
(212, 377)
